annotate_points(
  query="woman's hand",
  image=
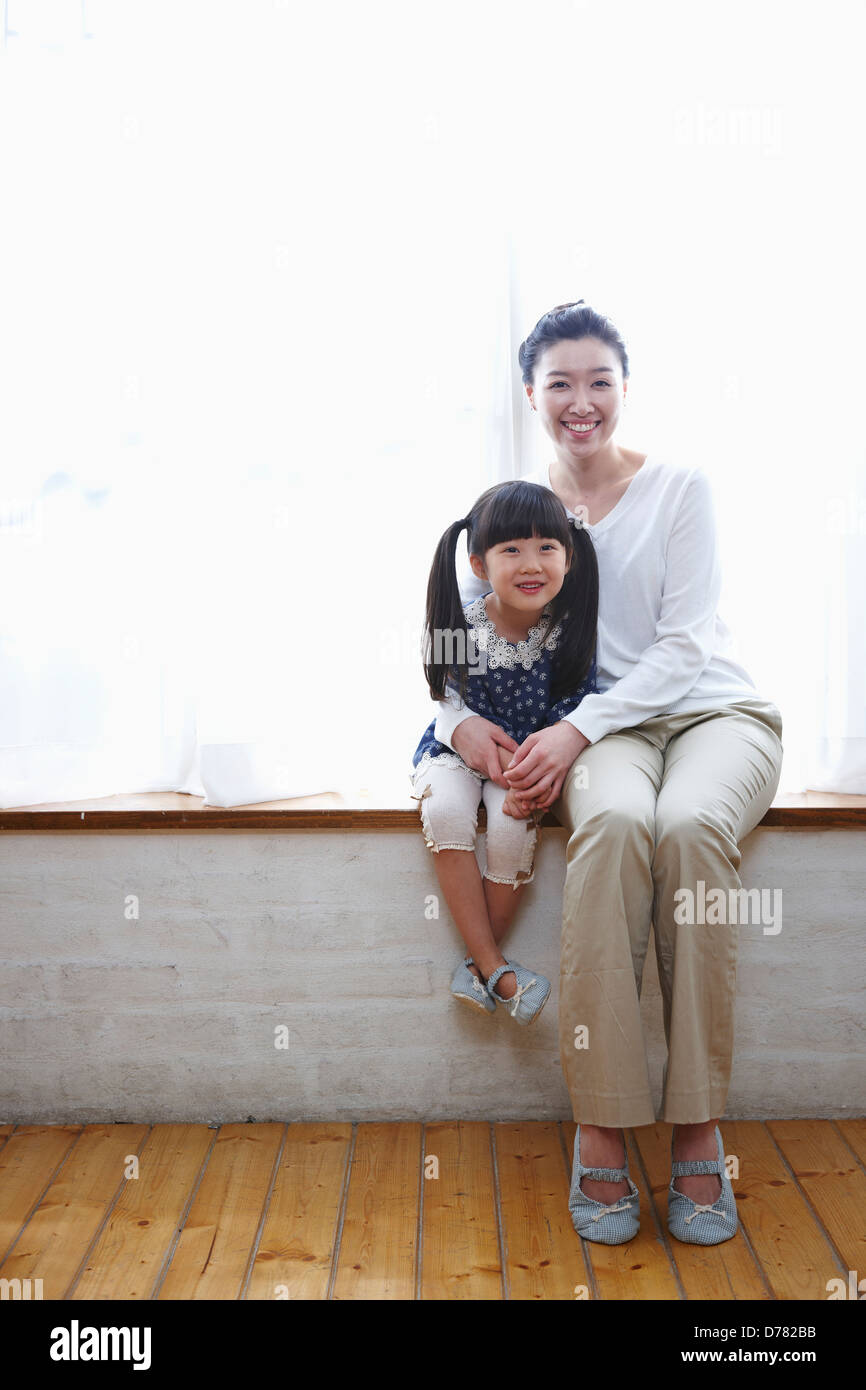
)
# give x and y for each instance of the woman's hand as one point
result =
(539, 767)
(478, 741)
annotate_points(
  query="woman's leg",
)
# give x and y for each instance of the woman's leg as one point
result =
(448, 801)
(720, 776)
(608, 807)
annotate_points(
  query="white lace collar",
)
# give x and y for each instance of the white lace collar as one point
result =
(501, 652)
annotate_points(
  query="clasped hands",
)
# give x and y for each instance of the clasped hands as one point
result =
(532, 772)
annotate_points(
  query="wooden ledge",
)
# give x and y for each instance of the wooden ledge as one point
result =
(176, 811)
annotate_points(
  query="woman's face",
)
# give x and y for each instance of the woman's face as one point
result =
(578, 383)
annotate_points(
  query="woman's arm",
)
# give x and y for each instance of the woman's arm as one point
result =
(665, 671)
(541, 764)
(685, 631)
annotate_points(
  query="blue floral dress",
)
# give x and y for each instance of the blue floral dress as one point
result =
(509, 685)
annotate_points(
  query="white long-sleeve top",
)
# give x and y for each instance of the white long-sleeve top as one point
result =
(662, 647)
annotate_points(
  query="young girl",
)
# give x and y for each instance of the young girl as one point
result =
(522, 656)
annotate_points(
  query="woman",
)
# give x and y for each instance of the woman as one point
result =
(658, 777)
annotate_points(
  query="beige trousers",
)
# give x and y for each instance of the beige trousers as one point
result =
(652, 810)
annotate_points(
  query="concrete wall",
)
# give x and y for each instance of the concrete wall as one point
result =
(171, 1015)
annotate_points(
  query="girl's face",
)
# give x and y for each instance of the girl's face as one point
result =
(525, 574)
(578, 391)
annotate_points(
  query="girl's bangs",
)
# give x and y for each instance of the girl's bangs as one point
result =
(522, 510)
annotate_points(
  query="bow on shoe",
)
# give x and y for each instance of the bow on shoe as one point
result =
(710, 1207)
(515, 998)
(625, 1206)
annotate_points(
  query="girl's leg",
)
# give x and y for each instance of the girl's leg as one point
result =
(511, 848)
(502, 904)
(460, 880)
(503, 901)
(448, 798)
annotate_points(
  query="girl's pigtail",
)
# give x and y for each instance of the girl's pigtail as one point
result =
(446, 636)
(577, 600)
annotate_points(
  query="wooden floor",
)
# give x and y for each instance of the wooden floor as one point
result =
(405, 1211)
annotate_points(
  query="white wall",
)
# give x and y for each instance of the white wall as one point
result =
(171, 1017)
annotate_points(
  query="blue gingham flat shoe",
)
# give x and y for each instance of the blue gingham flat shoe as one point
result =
(697, 1224)
(530, 996)
(470, 990)
(613, 1224)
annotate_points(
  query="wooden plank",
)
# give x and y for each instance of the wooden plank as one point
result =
(832, 1179)
(793, 1251)
(213, 1253)
(717, 1272)
(298, 1241)
(460, 1236)
(379, 1242)
(854, 1134)
(184, 801)
(130, 1252)
(543, 1254)
(60, 1231)
(28, 1161)
(331, 811)
(640, 1269)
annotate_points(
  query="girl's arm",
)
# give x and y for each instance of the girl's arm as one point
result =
(480, 743)
(449, 717)
(451, 712)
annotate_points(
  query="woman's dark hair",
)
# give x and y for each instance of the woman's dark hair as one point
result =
(577, 320)
(506, 512)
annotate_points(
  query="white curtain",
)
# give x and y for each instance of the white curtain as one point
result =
(267, 267)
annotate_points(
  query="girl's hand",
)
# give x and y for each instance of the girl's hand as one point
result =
(513, 806)
(539, 767)
(480, 743)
